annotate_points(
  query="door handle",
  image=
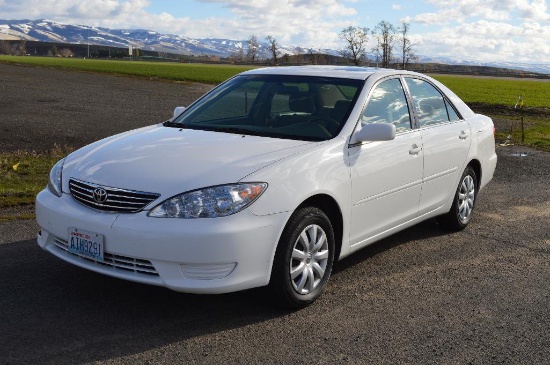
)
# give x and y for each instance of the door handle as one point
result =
(415, 150)
(463, 135)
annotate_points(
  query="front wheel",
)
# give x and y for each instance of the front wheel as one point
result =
(303, 259)
(462, 209)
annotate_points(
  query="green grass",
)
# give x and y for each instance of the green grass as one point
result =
(23, 174)
(17, 217)
(537, 132)
(209, 74)
(495, 96)
(495, 91)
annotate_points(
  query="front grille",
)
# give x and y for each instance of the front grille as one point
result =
(126, 263)
(116, 200)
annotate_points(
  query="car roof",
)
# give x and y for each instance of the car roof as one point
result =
(346, 72)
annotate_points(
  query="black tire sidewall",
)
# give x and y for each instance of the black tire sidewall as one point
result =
(280, 277)
(455, 209)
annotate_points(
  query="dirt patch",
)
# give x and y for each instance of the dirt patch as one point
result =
(509, 110)
(522, 213)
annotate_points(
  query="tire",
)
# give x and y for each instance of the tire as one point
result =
(462, 209)
(302, 268)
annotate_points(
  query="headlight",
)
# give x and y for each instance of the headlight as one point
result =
(212, 202)
(54, 184)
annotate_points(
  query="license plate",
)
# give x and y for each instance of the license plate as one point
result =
(86, 243)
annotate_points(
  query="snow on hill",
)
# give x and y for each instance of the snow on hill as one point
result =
(50, 31)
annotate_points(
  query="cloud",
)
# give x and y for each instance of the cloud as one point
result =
(486, 30)
(490, 41)
(69, 9)
(314, 23)
(308, 23)
(430, 18)
(289, 7)
(536, 10)
(501, 10)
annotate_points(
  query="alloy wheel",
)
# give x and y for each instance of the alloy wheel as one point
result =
(309, 259)
(466, 197)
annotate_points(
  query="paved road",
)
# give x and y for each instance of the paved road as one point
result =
(423, 296)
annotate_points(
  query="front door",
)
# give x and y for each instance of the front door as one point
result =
(386, 176)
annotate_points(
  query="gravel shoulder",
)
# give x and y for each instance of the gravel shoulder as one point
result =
(422, 296)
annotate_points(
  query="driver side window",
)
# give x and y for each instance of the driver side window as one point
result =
(388, 104)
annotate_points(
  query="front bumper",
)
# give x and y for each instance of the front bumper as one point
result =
(211, 256)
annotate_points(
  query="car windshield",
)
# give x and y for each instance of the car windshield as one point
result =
(292, 107)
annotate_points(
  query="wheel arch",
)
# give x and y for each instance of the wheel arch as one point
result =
(476, 165)
(331, 208)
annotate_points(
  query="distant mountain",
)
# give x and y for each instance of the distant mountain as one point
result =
(542, 68)
(50, 31)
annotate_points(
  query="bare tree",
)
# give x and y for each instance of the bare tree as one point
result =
(407, 47)
(53, 51)
(238, 55)
(66, 52)
(312, 56)
(253, 47)
(299, 55)
(356, 39)
(385, 35)
(16, 48)
(273, 47)
(287, 58)
(22, 47)
(376, 51)
(322, 58)
(5, 47)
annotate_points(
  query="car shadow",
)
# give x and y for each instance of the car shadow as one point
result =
(54, 312)
(423, 230)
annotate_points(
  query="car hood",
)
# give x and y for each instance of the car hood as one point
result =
(169, 161)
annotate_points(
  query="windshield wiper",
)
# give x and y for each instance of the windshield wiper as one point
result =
(172, 124)
(244, 131)
(234, 130)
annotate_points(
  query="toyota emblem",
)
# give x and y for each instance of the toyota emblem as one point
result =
(100, 195)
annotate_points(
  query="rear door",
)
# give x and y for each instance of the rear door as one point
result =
(386, 176)
(446, 139)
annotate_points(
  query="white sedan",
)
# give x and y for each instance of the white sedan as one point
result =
(268, 180)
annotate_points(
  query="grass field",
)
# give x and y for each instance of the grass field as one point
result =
(489, 91)
(23, 174)
(192, 72)
(495, 91)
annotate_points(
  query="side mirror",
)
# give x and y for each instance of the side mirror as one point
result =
(374, 132)
(178, 111)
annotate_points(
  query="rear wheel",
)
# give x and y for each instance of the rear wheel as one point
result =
(303, 260)
(462, 209)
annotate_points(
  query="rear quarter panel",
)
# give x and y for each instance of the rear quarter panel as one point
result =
(483, 146)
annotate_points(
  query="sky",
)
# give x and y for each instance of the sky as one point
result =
(473, 30)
